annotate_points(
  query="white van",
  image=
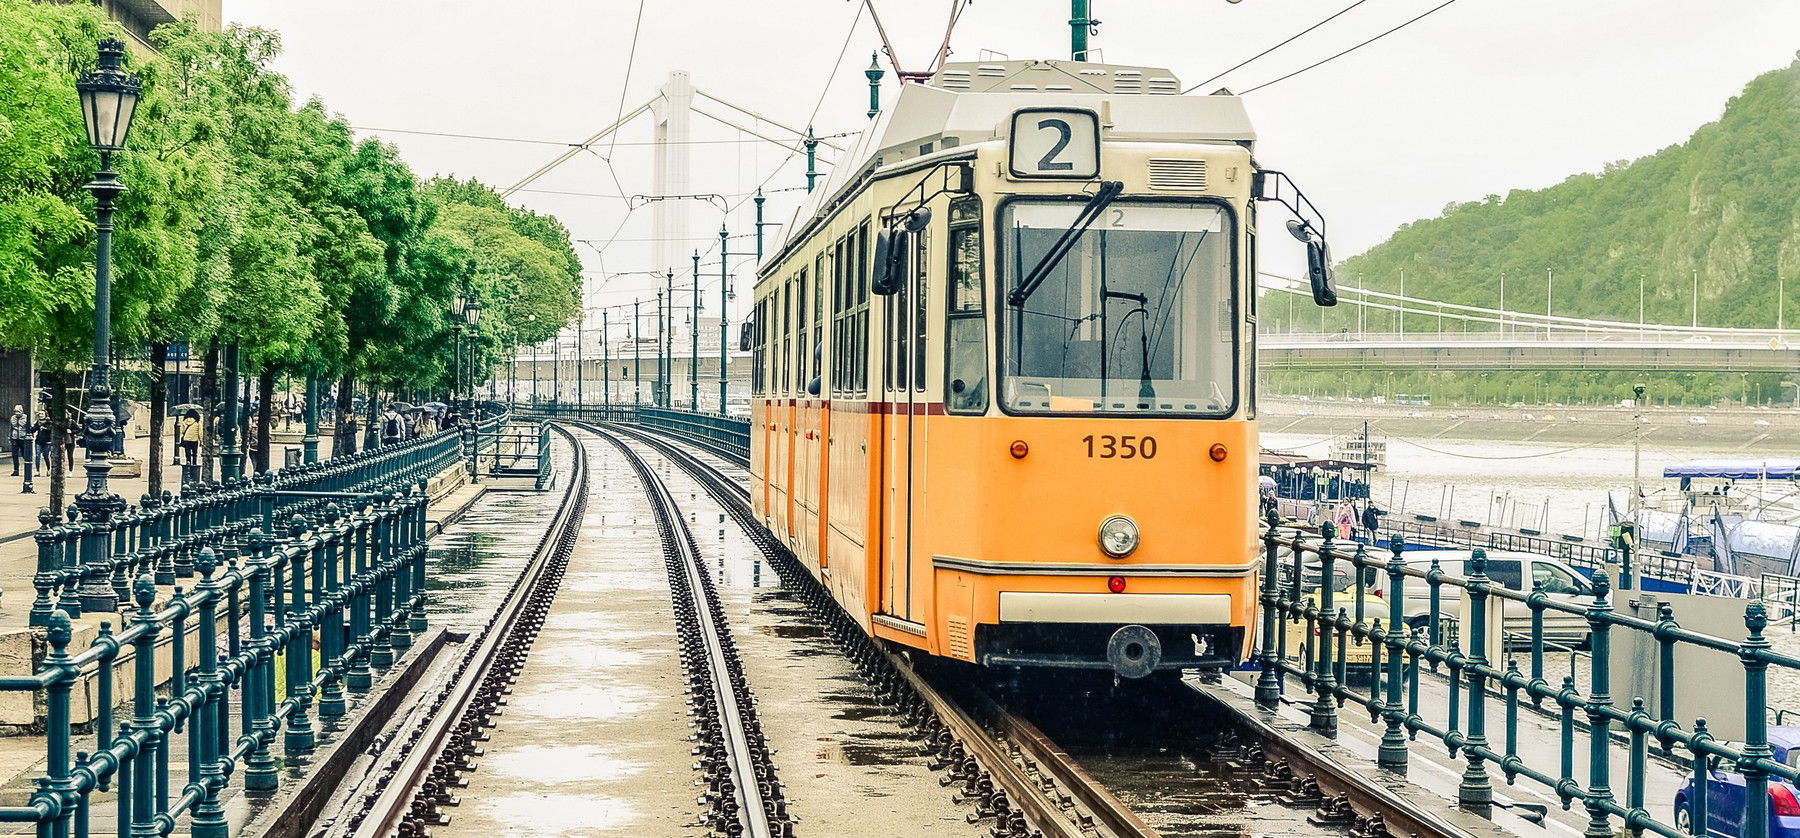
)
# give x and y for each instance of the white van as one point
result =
(1506, 569)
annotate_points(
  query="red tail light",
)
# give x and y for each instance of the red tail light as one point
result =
(1782, 802)
(1116, 584)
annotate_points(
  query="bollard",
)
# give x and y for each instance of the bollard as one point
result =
(1324, 710)
(1268, 682)
(1599, 791)
(1392, 752)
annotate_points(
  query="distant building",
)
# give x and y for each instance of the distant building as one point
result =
(140, 16)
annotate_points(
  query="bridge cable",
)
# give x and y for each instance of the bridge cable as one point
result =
(1296, 36)
(1338, 55)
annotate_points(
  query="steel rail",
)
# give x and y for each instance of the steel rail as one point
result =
(396, 802)
(752, 813)
(1049, 813)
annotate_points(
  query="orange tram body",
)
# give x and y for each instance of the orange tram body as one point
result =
(1004, 371)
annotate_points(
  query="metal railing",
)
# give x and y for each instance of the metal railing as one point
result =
(350, 569)
(85, 567)
(727, 433)
(1403, 647)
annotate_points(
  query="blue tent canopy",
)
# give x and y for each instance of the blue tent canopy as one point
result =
(1778, 468)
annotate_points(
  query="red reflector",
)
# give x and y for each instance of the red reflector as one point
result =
(1020, 449)
(1116, 584)
(1218, 452)
(1782, 802)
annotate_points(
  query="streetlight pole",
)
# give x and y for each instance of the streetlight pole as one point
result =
(725, 303)
(109, 98)
(656, 397)
(668, 341)
(694, 341)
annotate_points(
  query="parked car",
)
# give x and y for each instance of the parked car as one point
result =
(1725, 795)
(1696, 420)
(1507, 569)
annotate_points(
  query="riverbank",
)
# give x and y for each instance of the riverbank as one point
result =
(1723, 432)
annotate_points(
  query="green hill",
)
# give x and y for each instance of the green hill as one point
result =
(1725, 204)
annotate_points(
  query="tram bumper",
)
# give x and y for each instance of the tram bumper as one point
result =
(1131, 634)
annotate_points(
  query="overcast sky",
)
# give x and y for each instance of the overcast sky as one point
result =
(1481, 97)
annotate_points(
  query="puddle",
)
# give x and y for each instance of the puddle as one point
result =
(571, 701)
(540, 764)
(557, 814)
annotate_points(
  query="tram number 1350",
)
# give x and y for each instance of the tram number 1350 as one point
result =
(1109, 447)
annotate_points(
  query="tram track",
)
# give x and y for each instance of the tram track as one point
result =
(744, 794)
(1012, 772)
(996, 762)
(410, 797)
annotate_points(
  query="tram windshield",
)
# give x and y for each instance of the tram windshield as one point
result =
(1136, 317)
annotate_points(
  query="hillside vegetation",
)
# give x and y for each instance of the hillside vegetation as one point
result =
(1724, 205)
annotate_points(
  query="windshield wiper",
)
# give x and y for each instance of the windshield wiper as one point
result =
(1109, 191)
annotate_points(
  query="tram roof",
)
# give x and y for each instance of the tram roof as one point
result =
(970, 102)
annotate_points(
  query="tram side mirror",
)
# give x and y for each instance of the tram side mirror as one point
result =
(745, 335)
(890, 261)
(1318, 262)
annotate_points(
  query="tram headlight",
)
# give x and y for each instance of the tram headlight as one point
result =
(1118, 536)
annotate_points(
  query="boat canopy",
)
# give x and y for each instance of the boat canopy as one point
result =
(1779, 468)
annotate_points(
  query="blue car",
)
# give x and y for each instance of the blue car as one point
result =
(1725, 795)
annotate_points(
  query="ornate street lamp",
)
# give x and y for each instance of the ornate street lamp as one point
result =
(458, 305)
(471, 317)
(109, 98)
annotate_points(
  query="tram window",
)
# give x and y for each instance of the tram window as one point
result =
(921, 311)
(1250, 379)
(818, 321)
(965, 331)
(840, 302)
(756, 349)
(800, 352)
(787, 299)
(1136, 318)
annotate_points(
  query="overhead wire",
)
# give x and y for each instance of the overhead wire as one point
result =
(1322, 62)
(1292, 38)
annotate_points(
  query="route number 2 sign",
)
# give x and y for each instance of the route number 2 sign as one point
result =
(1055, 143)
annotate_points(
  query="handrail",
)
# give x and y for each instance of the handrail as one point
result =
(1393, 694)
(349, 567)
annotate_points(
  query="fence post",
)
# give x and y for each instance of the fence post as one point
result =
(358, 678)
(331, 630)
(68, 600)
(1392, 753)
(56, 780)
(45, 578)
(381, 653)
(1268, 683)
(299, 735)
(400, 566)
(1756, 723)
(145, 766)
(1599, 792)
(168, 535)
(1476, 792)
(1324, 709)
(203, 727)
(421, 547)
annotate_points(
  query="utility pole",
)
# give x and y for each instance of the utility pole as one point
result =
(759, 226)
(874, 73)
(1637, 445)
(556, 370)
(1640, 305)
(1503, 304)
(637, 355)
(1079, 25)
(580, 369)
(1549, 289)
(724, 302)
(606, 362)
(1696, 321)
(1780, 301)
(656, 396)
(812, 157)
(694, 342)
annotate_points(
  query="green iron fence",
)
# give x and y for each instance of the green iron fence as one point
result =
(1404, 649)
(349, 568)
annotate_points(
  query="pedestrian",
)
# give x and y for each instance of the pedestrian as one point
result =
(190, 438)
(1371, 520)
(346, 443)
(393, 427)
(1345, 519)
(45, 450)
(71, 431)
(20, 435)
(1265, 493)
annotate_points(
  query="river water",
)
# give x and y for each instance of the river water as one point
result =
(1557, 488)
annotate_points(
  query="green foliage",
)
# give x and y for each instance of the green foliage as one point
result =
(1722, 208)
(247, 219)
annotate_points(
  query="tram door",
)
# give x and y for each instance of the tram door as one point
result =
(902, 438)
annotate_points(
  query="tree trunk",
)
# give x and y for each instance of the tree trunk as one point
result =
(55, 414)
(341, 441)
(159, 409)
(265, 410)
(209, 404)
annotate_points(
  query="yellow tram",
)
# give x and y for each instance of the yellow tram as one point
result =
(1004, 400)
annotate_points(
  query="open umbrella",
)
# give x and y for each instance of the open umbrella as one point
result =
(402, 406)
(186, 408)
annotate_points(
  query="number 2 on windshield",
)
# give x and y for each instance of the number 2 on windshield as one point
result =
(1109, 447)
